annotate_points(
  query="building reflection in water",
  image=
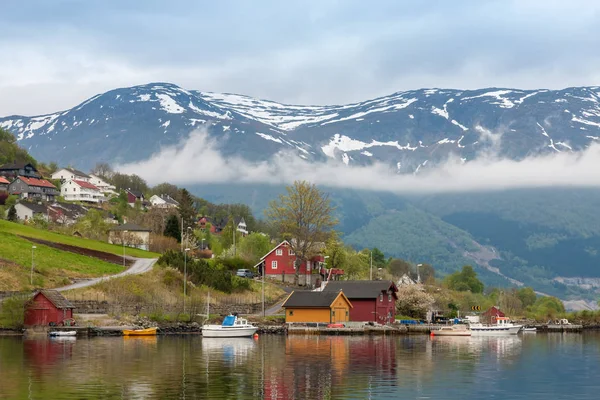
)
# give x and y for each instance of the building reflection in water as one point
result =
(44, 354)
(313, 365)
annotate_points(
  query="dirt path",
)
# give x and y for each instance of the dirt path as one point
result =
(140, 265)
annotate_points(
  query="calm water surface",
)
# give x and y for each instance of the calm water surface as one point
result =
(534, 366)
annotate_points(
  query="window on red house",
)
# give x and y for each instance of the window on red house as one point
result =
(279, 252)
(290, 252)
(273, 264)
(381, 297)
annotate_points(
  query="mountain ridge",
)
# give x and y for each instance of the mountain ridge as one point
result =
(411, 130)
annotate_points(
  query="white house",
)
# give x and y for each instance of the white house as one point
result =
(76, 190)
(101, 184)
(163, 201)
(67, 174)
(130, 235)
(241, 226)
(27, 211)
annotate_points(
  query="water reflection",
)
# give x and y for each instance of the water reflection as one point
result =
(301, 367)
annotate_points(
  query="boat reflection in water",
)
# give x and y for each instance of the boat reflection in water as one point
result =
(234, 351)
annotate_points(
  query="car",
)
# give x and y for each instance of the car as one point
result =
(245, 273)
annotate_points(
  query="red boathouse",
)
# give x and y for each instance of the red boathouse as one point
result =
(48, 307)
(372, 301)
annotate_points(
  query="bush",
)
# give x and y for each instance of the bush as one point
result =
(202, 272)
(160, 243)
(12, 312)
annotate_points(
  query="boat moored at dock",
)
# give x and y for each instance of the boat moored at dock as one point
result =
(503, 326)
(232, 326)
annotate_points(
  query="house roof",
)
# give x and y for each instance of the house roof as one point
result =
(85, 185)
(77, 172)
(15, 165)
(274, 248)
(130, 227)
(169, 199)
(309, 299)
(35, 207)
(36, 182)
(360, 289)
(56, 298)
(136, 193)
(3, 180)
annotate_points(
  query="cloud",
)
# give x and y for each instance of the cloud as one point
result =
(312, 52)
(197, 160)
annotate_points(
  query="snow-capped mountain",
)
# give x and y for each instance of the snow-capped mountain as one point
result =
(406, 129)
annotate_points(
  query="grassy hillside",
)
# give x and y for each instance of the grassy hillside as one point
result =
(27, 231)
(52, 267)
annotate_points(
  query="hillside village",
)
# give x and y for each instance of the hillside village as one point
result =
(215, 242)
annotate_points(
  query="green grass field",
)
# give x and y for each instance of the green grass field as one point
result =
(28, 231)
(52, 267)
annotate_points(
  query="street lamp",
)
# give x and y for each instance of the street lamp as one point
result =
(184, 276)
(123, 240)
(187, 238)
(31, 277)
(203, 243)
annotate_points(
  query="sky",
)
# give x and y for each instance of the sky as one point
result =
(57, 53)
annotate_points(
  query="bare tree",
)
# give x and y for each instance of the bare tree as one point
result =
(304, 215)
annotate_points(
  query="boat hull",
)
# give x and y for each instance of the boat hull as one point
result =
(140, 332)
(63, 333)
(218, 331)
(495, 330)
(451, 333)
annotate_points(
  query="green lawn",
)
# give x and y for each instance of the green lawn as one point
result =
(28, 231)
(52, 266)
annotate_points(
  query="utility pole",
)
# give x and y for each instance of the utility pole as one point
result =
(123, 240)
(185, 276)
(182, 233)
(371, 269)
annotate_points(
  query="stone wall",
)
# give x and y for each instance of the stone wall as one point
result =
(7, 294)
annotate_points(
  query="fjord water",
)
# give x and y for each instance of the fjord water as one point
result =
(533, 366)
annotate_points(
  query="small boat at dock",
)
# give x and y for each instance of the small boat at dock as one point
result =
(140, 332)
(452, 330)
(503, 326)
(232, 326)
(62, 333)
(529, 329)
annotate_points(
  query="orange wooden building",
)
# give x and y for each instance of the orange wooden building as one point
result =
(325, 307)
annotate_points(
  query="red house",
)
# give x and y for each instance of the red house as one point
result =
(133, 196)
(48, 307)
(372, 301)
(279, 264)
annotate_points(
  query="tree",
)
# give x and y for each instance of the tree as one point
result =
(103, 170)
(413, 301)
(12, 214)
(254, 246)
(527, 296)
(172, 229)
(187, 211)
(304, 214)
(337, 255)
(378, 258)
(166, 188)
(427, 273)
(465, 280)
(399, 267)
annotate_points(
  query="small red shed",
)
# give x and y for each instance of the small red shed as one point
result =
(48, 307)
(372, 301)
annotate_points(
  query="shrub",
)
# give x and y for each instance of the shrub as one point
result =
(160, 243)
(12, 312)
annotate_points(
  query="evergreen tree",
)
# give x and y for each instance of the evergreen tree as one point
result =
(187, 211)
(12, 214)
(172, 228)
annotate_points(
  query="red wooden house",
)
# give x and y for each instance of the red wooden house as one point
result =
(48, 307)
(372, 301)
(279, 264)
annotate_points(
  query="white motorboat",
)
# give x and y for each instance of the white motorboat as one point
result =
(232, 326)
(453, 330)
(503, 326)
(63, 333)
(529, 329)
